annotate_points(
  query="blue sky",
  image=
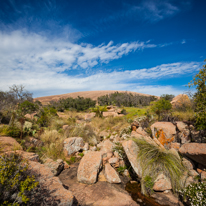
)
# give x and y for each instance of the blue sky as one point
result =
(62, 46)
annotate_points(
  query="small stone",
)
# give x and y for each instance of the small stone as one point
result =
(162, 183)
(113, 160)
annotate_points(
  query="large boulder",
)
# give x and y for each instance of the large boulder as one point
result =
(72, 145)
(111, 174)
(165, 132)
(89, 167)
(131, 149)
(195, 151)
(110, 114)
(9, 144)
(53, 185)
(181, 100)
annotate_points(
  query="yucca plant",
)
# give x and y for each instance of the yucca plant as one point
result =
(154, 161)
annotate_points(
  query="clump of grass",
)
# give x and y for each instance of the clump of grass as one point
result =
(155, 160)
(86, 132)
(184, 115)
(53, 144)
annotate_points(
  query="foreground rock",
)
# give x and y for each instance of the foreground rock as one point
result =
(89, 167)
(131, 150)
(111, 174)
(165, 132)
(162, 183)
(55, 166)
(195, 151)
(52, 184)
(9, 144)
(100, 194)
(72, 145)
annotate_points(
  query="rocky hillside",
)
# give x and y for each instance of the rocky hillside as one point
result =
(86, 94)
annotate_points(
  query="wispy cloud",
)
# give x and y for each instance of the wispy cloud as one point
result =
(27, 51)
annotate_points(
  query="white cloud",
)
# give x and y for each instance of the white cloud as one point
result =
(183, 41)
(31, 51)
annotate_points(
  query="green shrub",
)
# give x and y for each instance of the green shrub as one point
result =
(149, 183)
(195, 194)
(161, 106)
(155, 160)
(81, 154)
(121, 169)
(15, 183)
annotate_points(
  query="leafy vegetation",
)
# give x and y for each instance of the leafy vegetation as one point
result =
(200, 97)
(125, 99)
(154, 161)
(79, 104)
(161, 106)
(15, 183)
(195, 194)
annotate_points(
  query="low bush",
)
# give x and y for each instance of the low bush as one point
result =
(15, 183)
(195, 194)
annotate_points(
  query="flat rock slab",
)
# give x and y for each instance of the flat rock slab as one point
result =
(195, 151)
(131, 149)
(100, 194)
(89, 167)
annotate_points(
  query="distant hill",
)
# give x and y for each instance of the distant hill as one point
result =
(87, 94)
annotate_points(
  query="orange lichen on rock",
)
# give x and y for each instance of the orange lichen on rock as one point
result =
(160, 135)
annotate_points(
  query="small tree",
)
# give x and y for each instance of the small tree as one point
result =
(199, 81)
(161, 106)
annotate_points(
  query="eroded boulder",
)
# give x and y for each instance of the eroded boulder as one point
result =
(56, 167)
(9, 144)
(111, 174)
(131, 149)
(89, 167)
(162, 183)
(165, 132)
(72, 145)
(195, 151)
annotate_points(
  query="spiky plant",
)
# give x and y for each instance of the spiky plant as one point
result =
(155, 160)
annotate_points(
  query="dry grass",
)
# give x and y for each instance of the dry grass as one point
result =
(53, 144)
(114, 124)
(184, 115)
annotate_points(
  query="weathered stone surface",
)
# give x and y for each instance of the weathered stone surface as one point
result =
(89, 167)
(189, 181)
(36, 142)
(175, 145)
(166, 199)
(188, 163)
(103, 134)
(162, 183)
(86, 146)
(9, 144)
(107, 146)
(66, 166)
(141, 131)
(102, 193)
(180, 100)
(195, 151)
(110, 114)
(196, 136)
(72, 145)
(193, 173)
(184, 136)
(26, 155)
(113, 160)
(181, 126)
(111, 174)
(131, 149)
(165, 132)
(47, 181)
(203, 175)
(56, 167)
